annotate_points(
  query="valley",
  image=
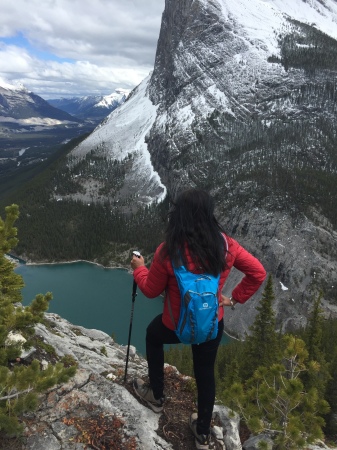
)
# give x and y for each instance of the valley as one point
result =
(29, 147)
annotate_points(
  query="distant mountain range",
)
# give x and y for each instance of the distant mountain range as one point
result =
(24, 108)
(93, 108)
(31, 129)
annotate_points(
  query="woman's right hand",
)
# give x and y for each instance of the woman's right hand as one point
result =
(137, 261)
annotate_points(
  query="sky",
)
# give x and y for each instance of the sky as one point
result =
(70, 48)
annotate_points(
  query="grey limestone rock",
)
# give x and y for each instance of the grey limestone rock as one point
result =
(92, 391)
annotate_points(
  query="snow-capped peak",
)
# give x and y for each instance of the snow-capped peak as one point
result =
(12, 87)
(116, 97)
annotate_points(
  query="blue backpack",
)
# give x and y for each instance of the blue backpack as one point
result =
(198, 320)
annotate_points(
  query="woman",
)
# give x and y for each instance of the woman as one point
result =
(193, 235)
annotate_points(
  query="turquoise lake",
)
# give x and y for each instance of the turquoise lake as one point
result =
(94, 297)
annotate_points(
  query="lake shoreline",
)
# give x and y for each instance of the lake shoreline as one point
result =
(30, 263)
(45, 263)
(87, 295)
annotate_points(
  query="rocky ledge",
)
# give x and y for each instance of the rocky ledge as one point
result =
(97, 410)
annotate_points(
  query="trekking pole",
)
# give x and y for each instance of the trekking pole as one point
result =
(134, 295)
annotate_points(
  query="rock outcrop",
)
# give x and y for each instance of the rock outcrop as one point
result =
(96, 400)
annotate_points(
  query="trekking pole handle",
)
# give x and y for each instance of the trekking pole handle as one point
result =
(134, 289)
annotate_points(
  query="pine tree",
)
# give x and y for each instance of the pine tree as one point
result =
(313, 338)
(180, 356)
(10, 282)
(262, 346)
(314, 331)
(274, 400)
(228, 364)
(331, 396)
(20, 385)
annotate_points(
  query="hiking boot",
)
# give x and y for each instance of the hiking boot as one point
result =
(201, 440)
(144, 391)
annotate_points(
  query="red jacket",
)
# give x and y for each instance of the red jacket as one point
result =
(154, 281)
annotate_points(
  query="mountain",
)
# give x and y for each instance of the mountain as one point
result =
(31, 129)
(242, 102)
(93, 108)
(20, 106)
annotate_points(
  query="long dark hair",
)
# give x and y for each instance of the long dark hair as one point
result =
(191, 222)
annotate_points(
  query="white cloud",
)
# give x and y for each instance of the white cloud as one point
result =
(78, 47)
(15, 59)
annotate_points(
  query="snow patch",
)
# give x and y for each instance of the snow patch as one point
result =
(283, 287)
(263, 19)
(22, 151)
(11, 87)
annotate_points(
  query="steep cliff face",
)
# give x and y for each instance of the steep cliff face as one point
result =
(224, 97)
(246, 107)
(242, 102)
(301, 256)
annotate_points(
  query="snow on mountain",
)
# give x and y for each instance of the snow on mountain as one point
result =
(117, 97)
(12, 87)
(17, 104)
(123, 133)
(194, 77)
(94, 108)
(264, 19)
(26, 118)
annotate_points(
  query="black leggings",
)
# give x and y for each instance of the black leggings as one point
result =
(157, 334)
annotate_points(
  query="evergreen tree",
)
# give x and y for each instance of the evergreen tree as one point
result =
(314, 331)
(329, 344)
(262, 346)
(10, 282)
(313, 338)
(228, 364)
(331, 397)
(274, 400)
(19, 386)
(180, 356)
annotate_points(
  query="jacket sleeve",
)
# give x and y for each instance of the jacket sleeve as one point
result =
(254, 275)
(152, 282)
